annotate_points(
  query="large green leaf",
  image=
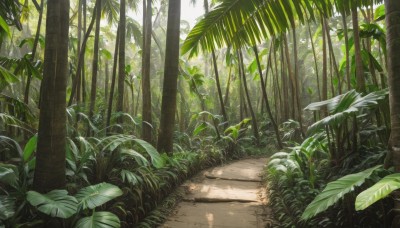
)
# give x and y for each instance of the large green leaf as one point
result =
(156, 159)
(8, 174)
(344, 106)
(335, 190)
(56, 203)
(4, 26)
(378, 191)
(30, 147)
(100, 219)
(246, 22)
(96, 195)
(7, 207)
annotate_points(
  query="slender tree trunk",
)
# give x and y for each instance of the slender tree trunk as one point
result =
(324, 66)
(357, 51)
(284, 85)
(95, 62)
(35, 44)
(246, 90)
(113, 79)
(333, 58)
(121, 61)
(83, 75)
(346, 43)
(50, 157)
(78, 51)
(265, 98)
(146, 89)
(297, 80)
(171, 68)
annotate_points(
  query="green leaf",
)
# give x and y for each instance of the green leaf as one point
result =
(378, 191)
(156, 159)
(380, 13)
(97, 195)
(200, 129)
(30, 147)
(8, 174)
(56, 203)
(336, 190)
(4, 26)
(100, 219)
(7, 207)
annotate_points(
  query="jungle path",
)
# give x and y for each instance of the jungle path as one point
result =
(222, 197)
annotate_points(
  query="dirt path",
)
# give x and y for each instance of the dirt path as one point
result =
(226, 196)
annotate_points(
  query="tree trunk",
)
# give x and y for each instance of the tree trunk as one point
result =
(50, 157)
(357, 51)
(121, 61)
(146, 88)
(393, 47)
(113, 79)
(265, 98)
(95, 62)
(346, 43)
(171, 68)
(324, 66)
(246, 90)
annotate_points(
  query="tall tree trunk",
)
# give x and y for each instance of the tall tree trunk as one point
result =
(265, 97)
(50, 157)
(324, 66)
(95, 61)
(35, 44)
(171, 68)
(78, 51)
(393, 47)
(297, 79)
(346, 43)
(121, 61)
(146, 89)
(246, 90)
(113, 79)
(214, 59)
(357, 51)
(284, 85)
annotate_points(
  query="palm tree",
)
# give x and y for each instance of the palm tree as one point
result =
(168, 106)
(393, 47)
(50, 158)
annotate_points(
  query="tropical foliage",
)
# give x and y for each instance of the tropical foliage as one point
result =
(311, 79)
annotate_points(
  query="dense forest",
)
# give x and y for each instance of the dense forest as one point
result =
(106, 106)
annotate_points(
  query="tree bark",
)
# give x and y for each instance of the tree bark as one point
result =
(113, 79)
(357, 51)
(50, 157)
(146, 87)
(121, 61)
(246, 90)
(265, 98)
(171, 68)
(393, 64)
(93, 91)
